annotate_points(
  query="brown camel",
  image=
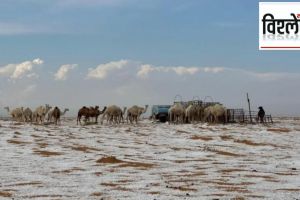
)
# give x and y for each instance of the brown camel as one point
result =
(56, 115)
(89, 112)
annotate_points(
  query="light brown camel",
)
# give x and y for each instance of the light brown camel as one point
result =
(191, 113)
(16, 114)
(28, 115)
(176, 113)
(40, 112)
(215, 113)
(135, 112)
(112, 114)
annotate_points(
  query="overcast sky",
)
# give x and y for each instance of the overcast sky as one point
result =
(72, 53)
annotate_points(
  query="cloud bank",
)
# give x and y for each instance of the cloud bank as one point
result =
(127, 82)
(145, 70)
(18, 71)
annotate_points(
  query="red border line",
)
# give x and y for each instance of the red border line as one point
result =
(280, 47)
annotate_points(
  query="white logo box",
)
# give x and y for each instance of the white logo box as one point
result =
(280, 11)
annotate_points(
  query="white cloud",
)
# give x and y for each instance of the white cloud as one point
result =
(102, 71)
(145, 70)
(17, 71)
(63, 71)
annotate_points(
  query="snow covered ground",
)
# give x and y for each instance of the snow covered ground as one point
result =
(150, 161)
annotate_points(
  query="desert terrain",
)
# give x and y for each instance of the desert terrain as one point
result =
(150, 161)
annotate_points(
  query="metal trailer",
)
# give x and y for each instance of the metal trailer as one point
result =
(242, 116)
(160, 112)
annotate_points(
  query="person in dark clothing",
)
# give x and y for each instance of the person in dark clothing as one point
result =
(261, 114)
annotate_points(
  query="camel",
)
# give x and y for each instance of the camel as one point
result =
(215, 113)
(61, 113)
(27, 113)
(191, 113)
(84, 111)
(40, 113)
(90, 112)
(176, 113)
(121, 113)
(134, 113)
(56, 113)
(142, 110)
(113, 113)
(17, 113)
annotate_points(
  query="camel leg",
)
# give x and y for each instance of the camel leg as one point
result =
(78, 119)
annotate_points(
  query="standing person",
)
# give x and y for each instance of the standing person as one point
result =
(261, 114)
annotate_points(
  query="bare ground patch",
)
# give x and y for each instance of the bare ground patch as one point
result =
(83, 148)
(12, 141)
(231, 170)
(265, 177)
(279, 130)
(46, 153)
(25, 184)
(233, 188)
(289, 189)
(44, 196)
(225, 153)
(5, 194)
(114, 160)
(67, 171)
(96, 194)
(252, 143)
(205, 138)
(226, 137)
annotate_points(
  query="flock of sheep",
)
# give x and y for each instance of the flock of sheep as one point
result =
(177, 113)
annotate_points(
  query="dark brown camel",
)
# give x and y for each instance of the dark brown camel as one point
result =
(89, 112)
(56, 115)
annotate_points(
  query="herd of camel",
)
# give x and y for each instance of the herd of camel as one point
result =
(178, 113)
(215, 113)
(113, 114)
(38, 115)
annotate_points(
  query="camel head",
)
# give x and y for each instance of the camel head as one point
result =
(145, 109)
(104, 109)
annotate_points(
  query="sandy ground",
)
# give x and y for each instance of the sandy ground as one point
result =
(150, 161)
